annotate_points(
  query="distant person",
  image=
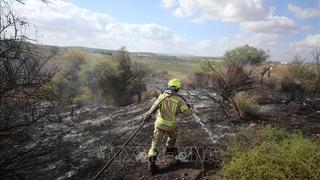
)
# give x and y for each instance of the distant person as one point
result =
(168, 105)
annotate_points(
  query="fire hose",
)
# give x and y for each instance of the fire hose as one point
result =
(119, 151)
(126, 143)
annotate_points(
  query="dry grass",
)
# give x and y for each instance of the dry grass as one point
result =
(247, 105)
(282, 75)
(278, 75)
(185, 78)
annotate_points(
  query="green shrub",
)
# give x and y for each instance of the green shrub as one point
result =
(164, 72)
(72, 62)
(271, 154)
(121, 82)
(84, 97)
(245, 55)
(76, 83)
(66, 84)
(63, 89)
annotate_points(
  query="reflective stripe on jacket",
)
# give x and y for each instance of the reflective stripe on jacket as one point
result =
(168, 106)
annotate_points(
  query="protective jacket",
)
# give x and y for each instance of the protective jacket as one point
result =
(168, 105)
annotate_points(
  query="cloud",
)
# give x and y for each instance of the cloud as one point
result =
(271, 42)
(225, 10)
(258, 40)
(64, 23)
(168, 3)
(305, 44)
(303, 13)
(205, 47)
(272, 24)
(252, 15)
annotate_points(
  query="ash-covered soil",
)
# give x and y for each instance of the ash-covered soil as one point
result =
(303, 116)
(77, 148)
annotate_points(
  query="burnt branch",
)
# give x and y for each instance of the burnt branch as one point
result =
(24, 74)
(227, 81)
(263, 72)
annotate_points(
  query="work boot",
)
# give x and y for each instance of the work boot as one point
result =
(172, 151)
(152, 167)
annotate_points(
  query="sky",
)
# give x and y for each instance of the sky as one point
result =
(283, 28)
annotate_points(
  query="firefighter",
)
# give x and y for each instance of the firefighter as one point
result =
(168, 105)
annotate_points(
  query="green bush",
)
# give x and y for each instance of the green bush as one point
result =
(72, 62)
(76, 83)
(63, 89)
(164, 72)
(84, 97)
(68, 85)
(121, 81)
(271, 154)
(245, 55)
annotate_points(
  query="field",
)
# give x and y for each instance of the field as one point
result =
(76, 140)
(82, 86)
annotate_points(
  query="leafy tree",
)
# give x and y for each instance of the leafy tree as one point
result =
(122, 81)
(246, 55)
(64, 90)
(68, 86)
(136, 83)
(88, 79)
(63, 87)
(73, 60)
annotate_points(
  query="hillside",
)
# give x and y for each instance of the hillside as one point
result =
(86, 127)
(165, 90)
(79, 147)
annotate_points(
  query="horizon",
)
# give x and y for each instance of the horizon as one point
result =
(195, 28)
(160, 54)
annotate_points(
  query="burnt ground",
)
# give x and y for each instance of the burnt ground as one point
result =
(77, 148)
(303, 116)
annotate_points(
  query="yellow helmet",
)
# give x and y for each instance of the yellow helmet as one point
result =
(174, 83)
